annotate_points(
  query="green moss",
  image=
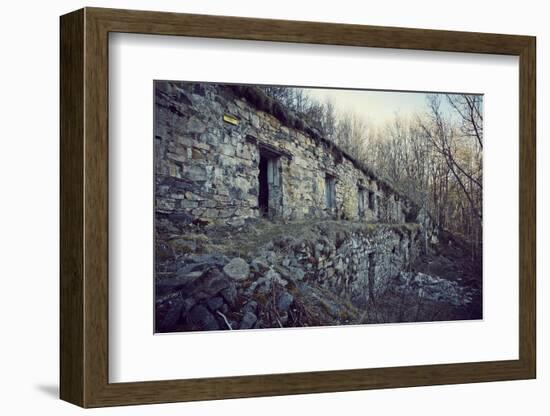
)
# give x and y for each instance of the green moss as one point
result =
(281, 237)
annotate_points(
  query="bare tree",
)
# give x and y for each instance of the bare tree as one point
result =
(329, 122)
(470, 109)
(434, 158)
(443, 138)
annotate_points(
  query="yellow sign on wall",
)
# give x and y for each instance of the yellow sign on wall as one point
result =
(231, 120)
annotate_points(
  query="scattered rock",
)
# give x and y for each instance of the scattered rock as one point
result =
(250, 306)
(217, 284)
(259, 265)
(265, 283)
(200, 318)
(248, 321)
(274, 277)
(172, 317)
(229, 294)
(224, 308)
(308, 281)
(435, 288)
(193, 270)
(201, 296)
(204, 260)
(215, 303)
(332, 308)
(188, 303)
(284, 302)
(318, 249)
(285, 273)
(174, 284)
(270, 256)
(283, 318)
(192, 276)
(237, 269)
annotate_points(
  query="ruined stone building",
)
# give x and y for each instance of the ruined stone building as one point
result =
(225, 154)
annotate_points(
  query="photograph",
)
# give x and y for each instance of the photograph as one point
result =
(283, 206)
(287, 206)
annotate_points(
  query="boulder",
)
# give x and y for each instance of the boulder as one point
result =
(172, 316)
(215, 303)
(186, 270)
(229, 294)
(248, 321)
(216, 284)
(175, 284)
(200, 318)
(251, 306)
(266, 282)
(203, 260)
(237, 269)
(259, 265)
(199, 284)
(296, 273)
(188, 303)
(284, 301)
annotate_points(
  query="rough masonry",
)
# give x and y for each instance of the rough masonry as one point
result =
(262, 222)
(221, 159)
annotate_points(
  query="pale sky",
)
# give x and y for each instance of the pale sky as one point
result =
(375, 107)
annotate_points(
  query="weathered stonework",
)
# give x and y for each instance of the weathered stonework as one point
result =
(210, 169)
(358, 262)
(261, 222)
(323, 272)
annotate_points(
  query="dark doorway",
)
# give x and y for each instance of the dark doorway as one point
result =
(263, 195)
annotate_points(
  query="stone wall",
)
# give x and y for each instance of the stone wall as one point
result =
(358, 263)
(209, 147)
(334, 269)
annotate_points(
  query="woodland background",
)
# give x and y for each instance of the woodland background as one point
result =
(435, 157)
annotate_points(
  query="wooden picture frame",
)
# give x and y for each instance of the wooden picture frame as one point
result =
(84, 207)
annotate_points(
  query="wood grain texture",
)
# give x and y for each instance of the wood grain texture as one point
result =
(72, 368)
(527, 207)
(162, 23)
(84, 207)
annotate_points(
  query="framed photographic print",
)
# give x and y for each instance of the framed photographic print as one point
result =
(259, 207)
